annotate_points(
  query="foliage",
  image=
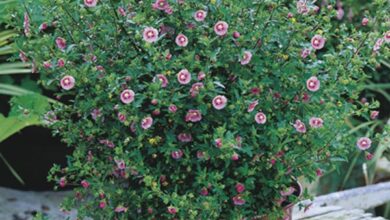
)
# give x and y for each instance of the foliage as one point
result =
(152, 156)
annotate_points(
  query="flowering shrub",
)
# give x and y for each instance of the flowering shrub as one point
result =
(194, 109)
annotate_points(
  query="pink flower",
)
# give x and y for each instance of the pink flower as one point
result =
(246, 58)
(121, 117)
(221, 28)
(193, 116)
(61, 63)
(290, 15)
(305, 53)
(387, 37)
(172, 210)
(302, 7)
(127, 96)
(121, 11)
(169, 10)
(90, 3)
(204, 191)
(43, 26)
(316, 122)
(378, 44)
(240, 187)
(102, 205)
(163, 80)
(340, 13)
(200, 15)
(253, 105)
(85, 184)
(47, 64)
(260, 118)
(255, 91)
(218, 142)
(172, 108)
(120, 164)
(147, 122)
(200, 154)
(184, 77)
(121, 208)
(177, 154)
(235, 156)
(201, 75)
(238, 200)
(23, 57)
(365, 21)
(181, 40)
(363, 143)
(95, 113)
(369, 156)
(300, 126)
(219, 102)
(67, 82)
(161, 5)
(26, 24)
(62, 182)
(236, 34)
(184, 137)
(318, 42)
(61, 43)
(195, 88)
(313, 84)
(374, 115)
(150, 34)
(319, 172)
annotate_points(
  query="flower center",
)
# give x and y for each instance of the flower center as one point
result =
(364, 142)
(316, 42)
(218, 101)
(220, 27)
(126, 95)
(199, 15)
(150, 34)
(182, 77)
(66, 81)
(311, 84)
(182, 39)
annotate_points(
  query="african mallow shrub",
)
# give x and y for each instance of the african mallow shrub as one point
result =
(195, 109)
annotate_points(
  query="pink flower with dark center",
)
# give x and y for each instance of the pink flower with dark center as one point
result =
(305, 53)
(240, 187)
(387, 37)
(172, 210)
(172, 108)
(120, 164)
(102, 204)
(122, 11)
(204, 191)
(300, 126)
(221, 28)
(365, 21)
(162, 79)
(374, 115)
(184, 77)
(62, 182)
(177, 154)
(184, 137)
(200, 15)
(260, 118)
(316, 122)
(219, 102)
(253, 105)
(43, 26)
(121, 117)
(305, 97)
(147, 122)
(313, 84)
(195, 88)
(26, 24)
(238, 200)
(161, 5)
(201, 76)
(218, 142)
(302, 7)
(67, 82)
(193, 116)
(181, 40)
(255, 91)
(235, 156)
(378, 44)
(61, 43)
(90, 3)
(127, 96)
(318, 42)
(85, 184)
(121, 208)
(61, 62)
(363, 143)
(23, 57)
(150, 34)
(246, 58)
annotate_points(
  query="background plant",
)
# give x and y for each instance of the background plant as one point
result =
(144, 158)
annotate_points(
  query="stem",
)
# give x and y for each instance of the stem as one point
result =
(350, 168)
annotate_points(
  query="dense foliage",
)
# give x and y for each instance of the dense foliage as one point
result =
(198, 109)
